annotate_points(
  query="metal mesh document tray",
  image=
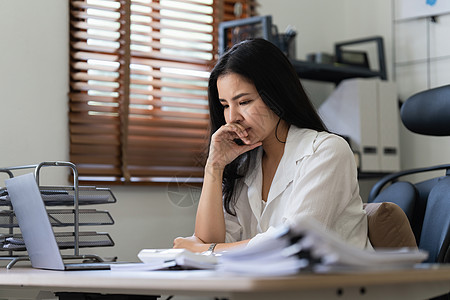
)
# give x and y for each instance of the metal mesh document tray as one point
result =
(65, 196)
(63, 217)
(68, 218)
(65, 240)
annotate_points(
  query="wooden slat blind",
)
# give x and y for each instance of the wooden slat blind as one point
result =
(138, 86)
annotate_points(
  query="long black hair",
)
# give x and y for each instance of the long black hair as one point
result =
(276, 81)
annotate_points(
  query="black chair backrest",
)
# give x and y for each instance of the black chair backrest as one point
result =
(402, 193)
(412, 199)
(428, 112)
(436, 224)
(423, 188)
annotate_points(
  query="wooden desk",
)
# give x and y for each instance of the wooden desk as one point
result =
(398, 284)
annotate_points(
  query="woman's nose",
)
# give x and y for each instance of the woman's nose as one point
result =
(235, 115)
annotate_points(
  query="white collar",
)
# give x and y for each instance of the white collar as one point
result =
(299, 143)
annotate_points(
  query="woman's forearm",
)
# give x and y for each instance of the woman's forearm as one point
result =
(227, 246)
(194, 244)
(210, 222)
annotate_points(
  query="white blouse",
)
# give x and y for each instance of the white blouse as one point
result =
(316, 177)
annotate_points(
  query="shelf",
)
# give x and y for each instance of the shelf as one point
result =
(230, 32)
(330, 72)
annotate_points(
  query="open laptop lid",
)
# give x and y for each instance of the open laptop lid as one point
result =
(33, 221)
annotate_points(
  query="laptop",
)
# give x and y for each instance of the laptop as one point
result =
(36, 229)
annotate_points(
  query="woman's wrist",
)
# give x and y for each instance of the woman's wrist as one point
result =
(212, 247)
(210, 250)
(214, 167)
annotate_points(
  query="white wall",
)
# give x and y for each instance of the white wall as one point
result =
(413, 75)
(33, 102)
(146, 217)
(33, 81)
(317, 25)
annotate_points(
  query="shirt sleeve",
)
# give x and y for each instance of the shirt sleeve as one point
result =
(325, 182)
(261, 237)
(233, 228)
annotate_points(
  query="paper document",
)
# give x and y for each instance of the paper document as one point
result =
(289, 249)
(306, 245)
(159, 259)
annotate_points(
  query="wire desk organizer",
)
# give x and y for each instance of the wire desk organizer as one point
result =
(11, 242)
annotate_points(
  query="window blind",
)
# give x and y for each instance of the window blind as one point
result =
(138, 87)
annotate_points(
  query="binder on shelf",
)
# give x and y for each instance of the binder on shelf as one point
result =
(388, 120)
(365, 111)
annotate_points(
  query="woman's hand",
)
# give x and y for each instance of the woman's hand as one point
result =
(223, 149)
(192, 243)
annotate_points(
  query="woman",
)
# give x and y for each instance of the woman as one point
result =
(271, 159)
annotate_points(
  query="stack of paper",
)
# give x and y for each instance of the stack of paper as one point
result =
(303, 246)
(159, 259)
(182, 257)
(306, 245)
(274, 256)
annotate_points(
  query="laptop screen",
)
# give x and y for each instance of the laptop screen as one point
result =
(34, 224)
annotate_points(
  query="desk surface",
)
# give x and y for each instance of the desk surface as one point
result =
(208, 282)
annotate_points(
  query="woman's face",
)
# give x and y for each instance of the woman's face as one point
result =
(242, 104)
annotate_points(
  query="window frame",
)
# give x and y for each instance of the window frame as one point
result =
(120, 131)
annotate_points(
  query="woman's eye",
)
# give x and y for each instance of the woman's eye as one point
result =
(245, 102)
(225, 106)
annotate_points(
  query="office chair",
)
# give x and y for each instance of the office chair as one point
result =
(426, 203)
(403, 194)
